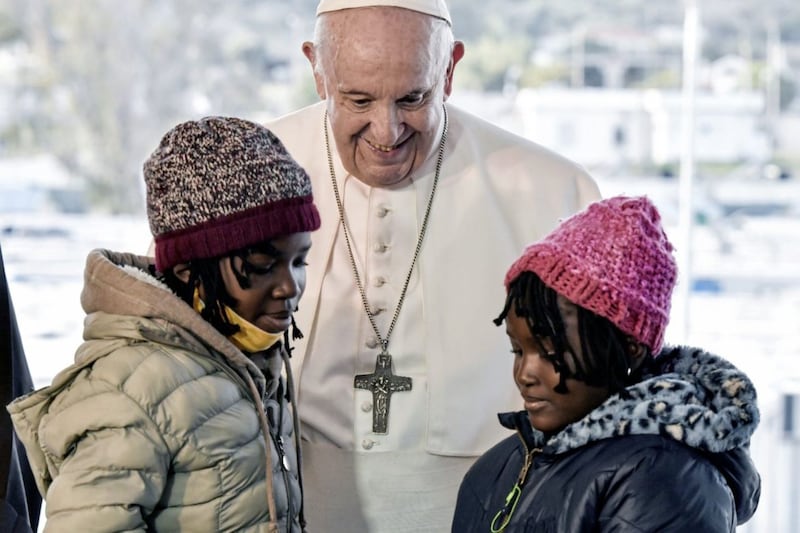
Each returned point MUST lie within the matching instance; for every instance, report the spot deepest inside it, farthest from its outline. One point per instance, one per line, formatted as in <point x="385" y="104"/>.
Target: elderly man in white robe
<point x="424" y="206"/>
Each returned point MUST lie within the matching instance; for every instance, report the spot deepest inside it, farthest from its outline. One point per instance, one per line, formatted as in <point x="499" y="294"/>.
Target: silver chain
<point x="384" y="342"/>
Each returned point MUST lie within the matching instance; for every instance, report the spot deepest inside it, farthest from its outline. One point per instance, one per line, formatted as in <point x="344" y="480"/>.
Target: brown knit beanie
<point x="220" y="184"/>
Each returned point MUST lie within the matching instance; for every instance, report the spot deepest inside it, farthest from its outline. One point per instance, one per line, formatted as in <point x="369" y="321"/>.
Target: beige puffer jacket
<point x="159" y="424"/>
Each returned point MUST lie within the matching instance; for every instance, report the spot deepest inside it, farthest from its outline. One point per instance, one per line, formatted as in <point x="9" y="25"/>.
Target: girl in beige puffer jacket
<point x="175" y="415"/>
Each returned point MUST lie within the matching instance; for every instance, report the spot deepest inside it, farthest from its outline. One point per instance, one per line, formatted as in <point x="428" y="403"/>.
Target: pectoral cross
<point x="382" y="383"/>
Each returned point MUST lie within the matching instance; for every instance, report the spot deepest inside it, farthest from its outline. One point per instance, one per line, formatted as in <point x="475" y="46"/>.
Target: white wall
<point x="582" y="125"/>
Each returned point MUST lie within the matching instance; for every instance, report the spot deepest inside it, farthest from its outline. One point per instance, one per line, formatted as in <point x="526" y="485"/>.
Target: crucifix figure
<point x="382" y="383"/>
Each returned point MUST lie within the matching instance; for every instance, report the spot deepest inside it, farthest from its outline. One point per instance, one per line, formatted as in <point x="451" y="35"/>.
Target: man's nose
<point x="387" y="125"/>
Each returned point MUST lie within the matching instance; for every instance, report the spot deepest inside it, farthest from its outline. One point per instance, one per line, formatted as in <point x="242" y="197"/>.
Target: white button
<point x="366" y="406"/>
<point x="380" y="281"/>
<point x="379" y="247"/>
<point x="367" y="444"/>
<point x="372" y="342"/>
<point x="383" y="211"/>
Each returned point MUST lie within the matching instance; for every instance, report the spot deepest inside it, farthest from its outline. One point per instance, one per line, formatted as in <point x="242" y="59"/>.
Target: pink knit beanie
<point x="614" y="259"/>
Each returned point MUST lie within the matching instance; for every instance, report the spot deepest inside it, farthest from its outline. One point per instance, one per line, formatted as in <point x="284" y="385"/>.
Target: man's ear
<point x="319" y="80"/>
<point x="458" y="53"/>
<point x="182" y="272"/>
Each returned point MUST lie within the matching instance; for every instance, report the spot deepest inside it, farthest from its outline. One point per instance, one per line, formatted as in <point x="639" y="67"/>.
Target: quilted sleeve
<point x="109" y="460"/>
<point x="669" y="489"/>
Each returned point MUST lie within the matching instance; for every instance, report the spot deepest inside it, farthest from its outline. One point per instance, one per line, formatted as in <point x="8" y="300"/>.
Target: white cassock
<point x="497" y="192"/>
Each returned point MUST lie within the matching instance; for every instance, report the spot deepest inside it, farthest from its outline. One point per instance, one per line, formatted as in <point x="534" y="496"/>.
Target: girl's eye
<point x="517" y="352"/>
<point x="257" y="269"/>
<point x="261" y="270"/>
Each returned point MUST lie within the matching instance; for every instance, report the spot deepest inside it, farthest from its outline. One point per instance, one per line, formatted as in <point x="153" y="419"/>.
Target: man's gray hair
<point x="441" y="37"/>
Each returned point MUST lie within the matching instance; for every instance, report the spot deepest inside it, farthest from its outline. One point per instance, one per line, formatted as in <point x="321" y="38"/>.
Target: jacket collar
<point x="121" y="284"/>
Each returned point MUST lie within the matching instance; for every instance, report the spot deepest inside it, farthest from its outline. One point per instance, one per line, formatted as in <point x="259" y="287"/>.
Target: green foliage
<point x="544" y="76"/>
<point x="488" y="62"/>
<point x="110" y="78"/>
<point x="661" y="79"/>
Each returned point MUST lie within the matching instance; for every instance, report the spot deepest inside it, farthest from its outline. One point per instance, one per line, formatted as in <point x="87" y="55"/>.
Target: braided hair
<point x="605" y="362"/>
<point x="207" y="272"/>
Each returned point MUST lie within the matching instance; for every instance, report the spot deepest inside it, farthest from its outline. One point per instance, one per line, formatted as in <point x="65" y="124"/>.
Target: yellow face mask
<point x="249" y="338"/>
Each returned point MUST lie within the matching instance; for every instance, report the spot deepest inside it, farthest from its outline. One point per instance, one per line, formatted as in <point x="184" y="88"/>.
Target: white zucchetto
<point x="435" y="8"/>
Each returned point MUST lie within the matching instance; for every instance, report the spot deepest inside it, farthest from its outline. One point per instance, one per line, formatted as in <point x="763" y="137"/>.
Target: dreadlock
<point x="604" y="362"/>
<point x="207" y="272"/>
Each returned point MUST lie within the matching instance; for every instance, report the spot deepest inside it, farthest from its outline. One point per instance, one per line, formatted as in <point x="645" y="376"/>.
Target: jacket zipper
<point x="277" y="439"/>
<point x="504" y="515"/>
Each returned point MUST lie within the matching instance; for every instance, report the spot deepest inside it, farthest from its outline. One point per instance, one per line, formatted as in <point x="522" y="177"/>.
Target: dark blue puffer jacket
<point x="669" y="455"/>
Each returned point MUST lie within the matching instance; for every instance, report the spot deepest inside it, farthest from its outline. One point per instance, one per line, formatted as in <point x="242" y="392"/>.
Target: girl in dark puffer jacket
<point x="611" y="438"/>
